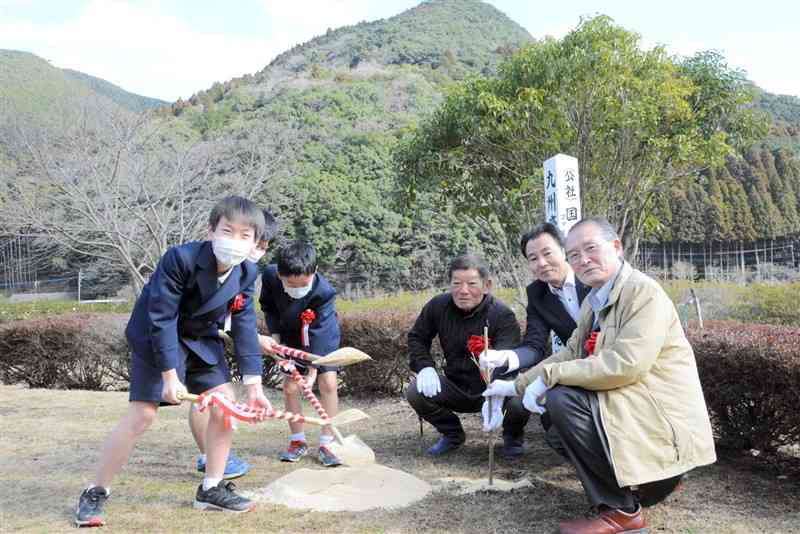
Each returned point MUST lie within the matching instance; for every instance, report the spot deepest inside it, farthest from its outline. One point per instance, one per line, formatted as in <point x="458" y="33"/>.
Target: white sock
<point x="325" y="440"/>
<point x="300" y="436"/>
<point x="209" y="483"/>
<point x="203" y="458"/>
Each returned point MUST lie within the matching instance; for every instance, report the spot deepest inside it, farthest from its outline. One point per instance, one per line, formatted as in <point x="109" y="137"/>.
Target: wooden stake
<point x="488" y="379"/>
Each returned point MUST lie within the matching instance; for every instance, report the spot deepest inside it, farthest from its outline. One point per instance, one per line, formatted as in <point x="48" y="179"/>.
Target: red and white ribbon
<point x="307" y="393"/>
<point x="306" y="318"/>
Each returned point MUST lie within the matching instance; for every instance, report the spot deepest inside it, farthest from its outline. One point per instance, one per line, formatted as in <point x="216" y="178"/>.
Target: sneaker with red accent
<point x="296" y="450"/>
<point x="327" y="457"/>
<point x="89" y="512"/>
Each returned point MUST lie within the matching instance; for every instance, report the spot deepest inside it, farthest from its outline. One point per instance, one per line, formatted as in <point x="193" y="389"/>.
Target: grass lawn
<point x="49" y="441"/>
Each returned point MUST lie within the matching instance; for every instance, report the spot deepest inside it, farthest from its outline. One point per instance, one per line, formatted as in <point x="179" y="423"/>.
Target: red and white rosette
<point x="590" y="344"/>
<point x="306" y="318"/>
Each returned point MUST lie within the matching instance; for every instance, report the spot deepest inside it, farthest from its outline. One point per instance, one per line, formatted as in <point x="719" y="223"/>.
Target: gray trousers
<point x="574" y="429"/>
<point x="440" y="409"/>
<point x="575" y="416"/>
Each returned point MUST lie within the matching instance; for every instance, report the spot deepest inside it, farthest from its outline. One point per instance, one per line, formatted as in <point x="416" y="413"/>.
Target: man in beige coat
<point x="629" y="410"/>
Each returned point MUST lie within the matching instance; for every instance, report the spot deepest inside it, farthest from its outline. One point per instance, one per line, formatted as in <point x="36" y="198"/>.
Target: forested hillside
<point x="753" y="196"/>
<point x="32" y="87"/>
<point x="321" y="137"/>
<point x="342" y="102"/>
<point x="127" y="100"/>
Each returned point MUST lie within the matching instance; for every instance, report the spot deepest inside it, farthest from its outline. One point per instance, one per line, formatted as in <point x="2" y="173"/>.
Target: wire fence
<point x="70" y="286"/>
<point x="764" y="259"/>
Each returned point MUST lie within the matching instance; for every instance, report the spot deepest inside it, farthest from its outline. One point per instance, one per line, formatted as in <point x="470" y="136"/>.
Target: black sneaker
<point x="89" y="512"/>
<point x="222" y="498"/>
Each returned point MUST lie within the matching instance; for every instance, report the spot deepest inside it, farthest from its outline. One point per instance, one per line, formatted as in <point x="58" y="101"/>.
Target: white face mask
<point x="298" y="292"/>
<point x="229" y="251"/>
<point x="256" y="254"/>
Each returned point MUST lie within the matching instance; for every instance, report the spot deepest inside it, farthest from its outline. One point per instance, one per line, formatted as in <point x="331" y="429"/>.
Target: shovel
<point x="340" y="358"/>
<point x="350" y="450"/>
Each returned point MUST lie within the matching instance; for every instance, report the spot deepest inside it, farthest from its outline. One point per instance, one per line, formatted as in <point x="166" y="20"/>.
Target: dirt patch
<point x="465" y="486"/>
<point x="352" y="489"/>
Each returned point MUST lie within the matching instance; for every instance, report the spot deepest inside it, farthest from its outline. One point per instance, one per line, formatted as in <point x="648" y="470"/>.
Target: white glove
<point x="502" y="388"/>
<point x="494" y="419"/>
<point x="428" y="382"/>
<point x="530" y="400"/>
<point x="493" y="359"/>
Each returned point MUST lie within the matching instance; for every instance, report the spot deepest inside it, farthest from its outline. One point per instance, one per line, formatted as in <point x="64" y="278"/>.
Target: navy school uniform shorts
<point x="197" y="375"/>
<point x="302" y="368"/>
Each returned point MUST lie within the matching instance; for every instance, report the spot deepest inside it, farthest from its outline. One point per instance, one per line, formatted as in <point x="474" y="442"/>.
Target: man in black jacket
<point x="454" y="317"/>
<point x="554" y="299"/>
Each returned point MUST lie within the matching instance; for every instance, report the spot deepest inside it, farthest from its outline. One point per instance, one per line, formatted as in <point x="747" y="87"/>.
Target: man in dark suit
<point x="554" y="299"/>
<point x="197" y="289"/>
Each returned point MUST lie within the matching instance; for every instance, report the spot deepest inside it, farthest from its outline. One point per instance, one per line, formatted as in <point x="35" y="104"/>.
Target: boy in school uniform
<point x="300" y="311"/>
<point x="175" y="346"/>
<point x="198" y="421"/>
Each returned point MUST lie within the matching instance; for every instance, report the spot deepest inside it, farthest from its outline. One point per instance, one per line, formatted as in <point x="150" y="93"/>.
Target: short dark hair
<point x="239" y="210"/>
<point x="544" y="228"/>
<point x="298" y="258"/>
<point x="608" y="232"/>
<point x="270" y="226"/>
<point x="464" y="262"/>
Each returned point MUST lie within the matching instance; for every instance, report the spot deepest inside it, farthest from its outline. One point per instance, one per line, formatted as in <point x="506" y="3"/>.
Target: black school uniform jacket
<point x="282" y="313"/>
<point x="182" y="308"/>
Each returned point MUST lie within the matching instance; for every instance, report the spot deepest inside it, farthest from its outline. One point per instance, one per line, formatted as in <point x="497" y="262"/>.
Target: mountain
<point x="128" y="100"/>
<point x="348" y="97"/>
<point x="341" y="103"/>
<point x="317" y="128"/>
<point x="785" y="113"/>
<point x="31" y="86"/>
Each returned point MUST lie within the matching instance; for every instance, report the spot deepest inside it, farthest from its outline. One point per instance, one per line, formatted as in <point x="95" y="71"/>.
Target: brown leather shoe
<point x="607" y="522"/>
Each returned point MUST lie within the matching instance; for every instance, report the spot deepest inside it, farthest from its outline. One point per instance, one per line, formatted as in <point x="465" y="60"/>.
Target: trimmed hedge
<point x="751" y="380"/>
<point x="384" y="336"/>
<point x="81" y="351"/>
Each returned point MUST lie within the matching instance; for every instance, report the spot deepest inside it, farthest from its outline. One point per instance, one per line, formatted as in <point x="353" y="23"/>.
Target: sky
<point x="173" y="48"/>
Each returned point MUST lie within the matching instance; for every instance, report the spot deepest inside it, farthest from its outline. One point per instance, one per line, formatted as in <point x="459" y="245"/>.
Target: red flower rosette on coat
<point x="306" y="318"/>
<point x="237" y="304"/>
<point x="591" y="343"/>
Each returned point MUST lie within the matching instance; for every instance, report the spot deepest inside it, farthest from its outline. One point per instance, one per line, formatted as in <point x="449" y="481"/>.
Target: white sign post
<point x="562" y="200"/>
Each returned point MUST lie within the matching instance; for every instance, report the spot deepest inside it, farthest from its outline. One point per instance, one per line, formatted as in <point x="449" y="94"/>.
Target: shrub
<point x="770" y="303"/>
<point x="382" y="335"/>
<point x="750" y="375"/>
<point x="82" y="351"/>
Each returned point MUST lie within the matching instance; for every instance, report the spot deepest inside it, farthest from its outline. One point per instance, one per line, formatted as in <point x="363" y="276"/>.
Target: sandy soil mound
<point x="345" y="489"/>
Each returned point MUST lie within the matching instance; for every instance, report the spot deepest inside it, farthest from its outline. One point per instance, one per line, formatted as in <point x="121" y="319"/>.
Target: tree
<point x="638" y="121"/>
<point x="121" y="188"/>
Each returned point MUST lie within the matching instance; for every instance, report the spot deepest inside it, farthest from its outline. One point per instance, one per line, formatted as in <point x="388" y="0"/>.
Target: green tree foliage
<point x="638" y="121"/>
